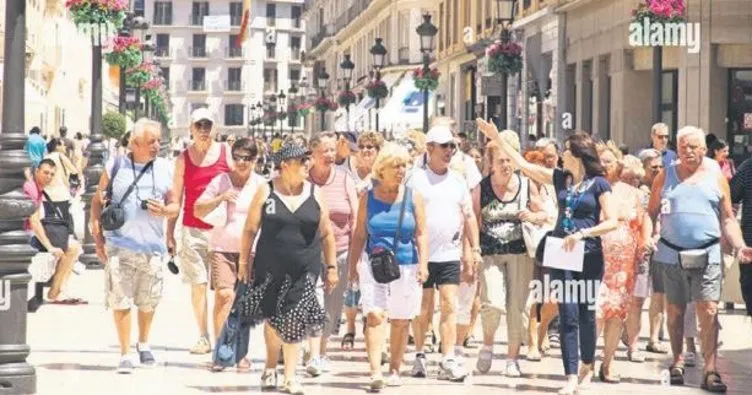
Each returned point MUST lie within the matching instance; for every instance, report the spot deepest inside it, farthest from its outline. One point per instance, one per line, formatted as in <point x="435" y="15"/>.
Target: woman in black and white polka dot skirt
<point x="295" y="229"/>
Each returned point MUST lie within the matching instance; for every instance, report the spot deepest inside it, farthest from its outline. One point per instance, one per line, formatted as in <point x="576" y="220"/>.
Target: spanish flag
<point x="245" y="24"/>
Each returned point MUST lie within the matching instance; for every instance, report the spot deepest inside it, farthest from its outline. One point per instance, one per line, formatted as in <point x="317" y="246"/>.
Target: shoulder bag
<point x="384" y="263"/>
<point x="56" y="222"/>
<point x="113" y="215"/>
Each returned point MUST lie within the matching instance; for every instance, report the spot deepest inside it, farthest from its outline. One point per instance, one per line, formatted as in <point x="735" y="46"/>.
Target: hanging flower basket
<point x="97" y="12"/>
<point x="423" y="80"/>
<point x="377" y="89"/>
<point x="138" y="76"/>
<point x="346" y="98"/>
<point x="304" y="109"/>
<point x="324" y="104"/>
<point x="126" y="52"/>
<point x="154" y="86"/>
<point x="504" y="58"/>
<point x="281" y="116"/>
<point x="659" y="11"/>
<point x="270" y="117"/>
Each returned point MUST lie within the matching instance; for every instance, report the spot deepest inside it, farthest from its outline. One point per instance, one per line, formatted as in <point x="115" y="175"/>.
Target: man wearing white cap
<point x="194" y="169"/>
<point x="449" y="213"/>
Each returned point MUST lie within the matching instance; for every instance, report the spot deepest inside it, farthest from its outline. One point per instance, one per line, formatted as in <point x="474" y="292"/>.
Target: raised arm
<point x="540" y="174"/>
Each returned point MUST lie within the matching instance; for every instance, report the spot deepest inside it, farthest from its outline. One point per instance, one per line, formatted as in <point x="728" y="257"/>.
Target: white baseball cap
<point x="201" y="114"/>
<point x="440" y="134"/>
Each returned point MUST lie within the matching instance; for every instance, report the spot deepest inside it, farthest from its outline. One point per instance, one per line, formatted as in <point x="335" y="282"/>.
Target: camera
<point x="144" y="205"/>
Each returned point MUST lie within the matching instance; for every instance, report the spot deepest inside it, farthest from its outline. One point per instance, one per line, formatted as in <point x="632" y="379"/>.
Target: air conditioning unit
<point x="270" y="38"/>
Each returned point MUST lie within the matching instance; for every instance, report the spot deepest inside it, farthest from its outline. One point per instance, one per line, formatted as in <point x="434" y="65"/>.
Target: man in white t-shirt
<point x="448" y="211"/>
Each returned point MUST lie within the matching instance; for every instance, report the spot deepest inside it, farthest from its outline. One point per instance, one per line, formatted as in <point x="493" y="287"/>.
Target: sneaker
<point x="315" y="367"/>
<point x="512" y="369"/>
<point x="450" y="370"/>
<point x="485" y="359"/>
<point x="126" y="365"/>
<point x="325" y="363"/>
<point x="203" y="346"/>
<point x="393" y="380"/>
<point x="377" y="383"/>
<point x="145" y="356"/>
<point x="420" y="365"/>
<point x="293" y="387"/>
<point x="269" y="380"/>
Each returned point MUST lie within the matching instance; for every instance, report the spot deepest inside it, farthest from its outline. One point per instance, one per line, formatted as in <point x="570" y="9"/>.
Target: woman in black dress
<point x="294" y="224"/>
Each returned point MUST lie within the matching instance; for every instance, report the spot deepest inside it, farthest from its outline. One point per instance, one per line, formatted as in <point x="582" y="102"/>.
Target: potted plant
<point x="304" y="109"/>
<point x="97" y="12"/>
<point x="346" y="98"/>
<point x="504" y="58"/>
<point x="426" y="80"/>
<point x="126" y="52"/>
<point x="324" y="104"/>
<point x="377" y="89"/>
<point x="659" y="11"/>
<point x="138" y="76"/>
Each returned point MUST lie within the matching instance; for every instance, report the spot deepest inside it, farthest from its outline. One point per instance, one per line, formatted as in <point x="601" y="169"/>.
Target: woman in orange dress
<point x="622" y="250"/>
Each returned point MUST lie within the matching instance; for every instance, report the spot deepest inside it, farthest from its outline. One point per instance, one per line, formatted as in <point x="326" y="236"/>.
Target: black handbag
<point x="113" y="215"/>
<point x="384" y="261"/>
<point x="57" y="222"/>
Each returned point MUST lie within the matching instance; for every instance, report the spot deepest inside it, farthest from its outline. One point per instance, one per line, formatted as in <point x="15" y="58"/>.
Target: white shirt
<point x="447" y="201"/>
<point x="472" y="173"/>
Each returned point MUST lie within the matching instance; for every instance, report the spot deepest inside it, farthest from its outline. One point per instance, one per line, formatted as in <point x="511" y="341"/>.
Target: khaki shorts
<point x="224" y="270"/>
<point x="685" y="286"/>
<point x="133" y="279"/>
<point x="194" y="256"/>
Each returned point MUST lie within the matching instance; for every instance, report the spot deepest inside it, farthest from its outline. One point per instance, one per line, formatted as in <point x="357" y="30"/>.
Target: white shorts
<point x="400" y="299"/>
<point x="465" y="299"/>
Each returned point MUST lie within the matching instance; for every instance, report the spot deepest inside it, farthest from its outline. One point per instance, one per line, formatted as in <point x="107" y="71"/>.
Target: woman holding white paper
<point x="585" y="213"/>
<point x="231" y="192"/>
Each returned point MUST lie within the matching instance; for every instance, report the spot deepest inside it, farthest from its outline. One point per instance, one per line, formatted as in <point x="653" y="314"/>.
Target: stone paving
<point x="74" y="349"/>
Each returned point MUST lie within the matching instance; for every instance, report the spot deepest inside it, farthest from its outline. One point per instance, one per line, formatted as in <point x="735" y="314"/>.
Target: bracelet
<point x="329" y="267"/>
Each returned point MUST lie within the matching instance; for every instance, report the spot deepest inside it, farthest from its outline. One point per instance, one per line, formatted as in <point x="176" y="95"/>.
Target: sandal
<point x="677" y="375"/>
<point x="611" y="378"/>
<point x="348" y="341"/>
<point x="711" y="382"/>
<point x="656" y="348"/>
<point x="244" y="365"/>
<point x="635" y="356"/>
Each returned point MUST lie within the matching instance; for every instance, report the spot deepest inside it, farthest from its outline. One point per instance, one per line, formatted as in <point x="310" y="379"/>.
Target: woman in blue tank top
<point x="376" y="228"/>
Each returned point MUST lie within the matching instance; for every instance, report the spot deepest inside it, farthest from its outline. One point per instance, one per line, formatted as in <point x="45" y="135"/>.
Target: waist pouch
<point x="692" y="258"/>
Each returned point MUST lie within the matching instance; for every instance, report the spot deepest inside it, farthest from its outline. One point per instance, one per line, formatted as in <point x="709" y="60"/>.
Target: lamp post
<point x="16" y="375"/>
<point x="273" y="110"/>
<point x="147" y="50"/>
<point x="125" y="31"/>
<point x="323" y="79"/>
<point x="427" y="31"/>
<point x="281" y="102"/>
<point x="504" y="18"/>
<point x="292" y="117"/>
<point x="379" y="57"/>
<point x="347" y="67"/>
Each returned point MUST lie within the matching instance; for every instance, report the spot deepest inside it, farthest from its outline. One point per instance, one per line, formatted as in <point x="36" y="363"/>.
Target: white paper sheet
<point x="555" y="256"/>
<point x="641" y="285"/>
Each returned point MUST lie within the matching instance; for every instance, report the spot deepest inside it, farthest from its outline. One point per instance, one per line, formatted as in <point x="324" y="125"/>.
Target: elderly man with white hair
<point x="138" y="185"/>
<point x="692" y="202"/>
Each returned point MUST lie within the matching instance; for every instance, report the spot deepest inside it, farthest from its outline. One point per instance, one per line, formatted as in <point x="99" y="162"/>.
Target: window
<point x="198" y="50"/>
<point x="455" y="22"/>
<point x="270" y="80"/>
<point x="271" y="14"/>
<point x="234" y="79"/>
<point x="234" y="51"/>
<point x="489" y="13"/>
<point x="196" y="106"/>
<point x="295" y="75"/>
<point x="271" y="52"/>
<point x="295" y="48"/>
<point x="440" y="22"/>
<point x="296" y="12"/>
<point x="234" y="115"/>
<point x="198" y="80"/>
<point x="479" y="16"/>
<point x="166" y="75"/>
<point x="199" y="11"/>
<point x="236" y="13"/>
<point x="162" y="13"/>
<point x="163" y="45"/>
<point x="669" y="100"/>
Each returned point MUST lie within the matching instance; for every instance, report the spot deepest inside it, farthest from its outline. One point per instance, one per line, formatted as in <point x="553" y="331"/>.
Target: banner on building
<point x="216" y="23"/>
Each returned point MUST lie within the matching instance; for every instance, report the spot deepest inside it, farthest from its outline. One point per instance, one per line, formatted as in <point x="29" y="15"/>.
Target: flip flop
<point x="69" y="301"/>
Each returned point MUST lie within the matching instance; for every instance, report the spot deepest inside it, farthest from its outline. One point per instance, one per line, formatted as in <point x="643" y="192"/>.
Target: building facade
<point x="340" y="27"/>
<point x="58" y="70"/>
<point x="195" y="46"/>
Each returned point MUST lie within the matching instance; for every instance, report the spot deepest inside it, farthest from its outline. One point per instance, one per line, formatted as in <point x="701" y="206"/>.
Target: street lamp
<point x="292" y="117"/>
<point x="378" y="51"/>
<point x="272" y="108"/>
<point x="347" y="67"/>
<point x="323" y="79"/>
<point x="16" y="375"/>
<point x="281" y="101"/>
<point x="505" y="18"/>
<point x="141" y="25"/>
<point x="427" y="31"/>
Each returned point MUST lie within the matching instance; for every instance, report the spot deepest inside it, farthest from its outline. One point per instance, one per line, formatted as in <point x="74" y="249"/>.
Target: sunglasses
<point x="369" y="147"/>
<point x="247" y="158"/>
<point x="662" y="136"/>
<point x="203" y="125"/>
<point x="656" y="167"/>
<point x="451" y="146"/>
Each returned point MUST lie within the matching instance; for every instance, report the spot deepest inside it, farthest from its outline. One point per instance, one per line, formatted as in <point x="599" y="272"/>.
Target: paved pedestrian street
<point x="74" y="349"/>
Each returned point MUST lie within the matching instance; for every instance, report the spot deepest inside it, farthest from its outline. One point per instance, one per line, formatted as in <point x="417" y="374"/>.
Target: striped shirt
<point x="741" y="191"/>
<point x="335" y="193"/>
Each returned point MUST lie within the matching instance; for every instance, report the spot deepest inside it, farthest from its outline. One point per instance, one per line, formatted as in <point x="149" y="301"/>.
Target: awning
<point x="404" y="111"/>
<point x="360" y="112"/>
